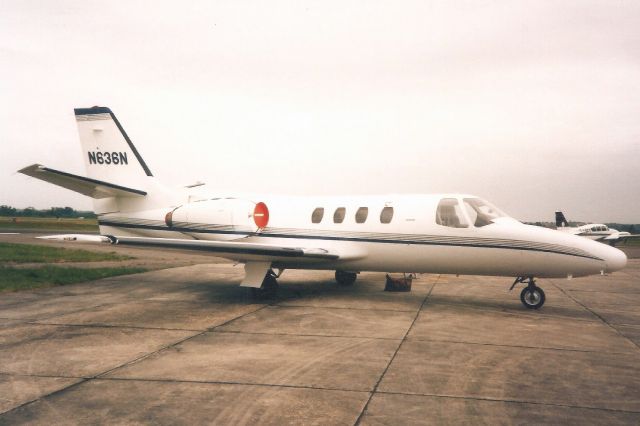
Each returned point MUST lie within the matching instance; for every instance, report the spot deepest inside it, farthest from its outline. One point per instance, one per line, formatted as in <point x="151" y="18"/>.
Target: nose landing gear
<point x="532" y="296"/>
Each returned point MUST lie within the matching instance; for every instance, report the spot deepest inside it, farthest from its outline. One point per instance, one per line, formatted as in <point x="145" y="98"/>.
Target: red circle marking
<point x="168" y="219"/>
<point x="261" y="215"/>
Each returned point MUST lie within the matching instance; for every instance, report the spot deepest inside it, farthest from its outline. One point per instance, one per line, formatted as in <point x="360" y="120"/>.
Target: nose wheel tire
<point x="532" y="297"/>
<point x="346" y="278"/>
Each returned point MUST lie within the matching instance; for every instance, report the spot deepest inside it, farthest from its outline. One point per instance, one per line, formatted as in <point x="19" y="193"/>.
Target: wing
<point x="258" y="258"/>
<point x="81" y="238"/>
<point x="234" y="250"/>
<point x="84" y="185"/>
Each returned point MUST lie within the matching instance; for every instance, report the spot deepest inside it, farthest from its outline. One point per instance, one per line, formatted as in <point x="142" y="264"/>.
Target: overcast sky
<point x="533" y="105"/>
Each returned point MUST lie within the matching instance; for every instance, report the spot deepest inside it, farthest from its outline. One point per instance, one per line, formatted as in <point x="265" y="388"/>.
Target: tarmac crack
<point x="343" y="308"/>
<point x="128" y="363"/>
<point x="303" y="335"/>
<point x="511" y="401"/>
<point x="47" y="376"/>
<point x="137" y="327"/>
<point x="395" y="353"/>
<point x="48" y="317"/>
<point x="566" y="293"/>
<point x="171" y="345"/>
<point x="542" y="348"/>
<point x="523" y="314"/>
<point x="223" y="382"/>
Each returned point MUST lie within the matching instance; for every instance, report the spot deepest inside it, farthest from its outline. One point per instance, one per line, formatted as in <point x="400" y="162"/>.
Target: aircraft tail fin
<point x="109" y="155"/>
<point x="561" y="221"/>
<point x="117" y="177"/>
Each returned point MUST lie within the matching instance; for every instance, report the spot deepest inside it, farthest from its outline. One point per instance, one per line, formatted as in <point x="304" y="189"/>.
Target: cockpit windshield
<point x="481" y="212"/>
<point x="450" y="214"/>
<point x="459" y="213"/>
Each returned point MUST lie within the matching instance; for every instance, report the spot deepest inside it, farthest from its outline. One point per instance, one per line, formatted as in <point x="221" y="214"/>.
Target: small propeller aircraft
<point x="594" y="231"/>
<point x="437" y="233"/>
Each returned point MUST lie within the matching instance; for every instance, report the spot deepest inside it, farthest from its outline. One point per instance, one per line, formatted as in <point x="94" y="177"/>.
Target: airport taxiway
<point x="186" y="345"/>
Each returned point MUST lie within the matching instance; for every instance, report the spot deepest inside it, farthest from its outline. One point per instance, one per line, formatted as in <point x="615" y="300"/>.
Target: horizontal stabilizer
<point x="86" y="186"/>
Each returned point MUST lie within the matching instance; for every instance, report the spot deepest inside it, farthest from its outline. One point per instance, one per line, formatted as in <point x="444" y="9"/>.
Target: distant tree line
<point x="632" y="229"/>
<point x="57" y="212"/>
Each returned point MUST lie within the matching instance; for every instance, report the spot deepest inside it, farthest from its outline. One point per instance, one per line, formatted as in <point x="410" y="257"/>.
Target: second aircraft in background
<point x="594" y="231"/>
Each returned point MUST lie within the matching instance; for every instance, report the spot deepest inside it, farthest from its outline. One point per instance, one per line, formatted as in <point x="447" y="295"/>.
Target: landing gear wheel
<point x="268" y="290"/>
<point x="346" y="278"/>
<point x="532" y="297"/>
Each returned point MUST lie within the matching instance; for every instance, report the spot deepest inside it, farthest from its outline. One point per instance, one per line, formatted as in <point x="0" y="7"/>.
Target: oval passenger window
<point x="361" y="214"/>
<point x="316" y="216"/>
<point x="386" y="215"/>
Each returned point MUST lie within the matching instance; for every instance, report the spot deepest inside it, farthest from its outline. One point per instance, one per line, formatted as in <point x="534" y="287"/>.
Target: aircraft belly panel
<point x="463" y="260"/>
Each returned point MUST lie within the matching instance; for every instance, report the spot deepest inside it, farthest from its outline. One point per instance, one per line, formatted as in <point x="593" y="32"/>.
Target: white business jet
<point x="594" y="231"/>
<point x="441" y="233"/>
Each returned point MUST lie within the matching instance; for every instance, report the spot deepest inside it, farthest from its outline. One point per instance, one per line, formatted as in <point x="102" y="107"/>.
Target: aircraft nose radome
<point x="615" y="259"/>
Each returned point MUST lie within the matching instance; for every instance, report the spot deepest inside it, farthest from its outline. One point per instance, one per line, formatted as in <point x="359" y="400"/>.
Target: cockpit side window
<point x="449" y="213"/>
<point x="481" y="212"/>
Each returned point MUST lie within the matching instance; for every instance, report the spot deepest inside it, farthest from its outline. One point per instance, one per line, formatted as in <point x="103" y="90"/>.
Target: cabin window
<point x="386" y="215"/>
<point x="481" y="212"/>
<point x="316" y="216"/>
<point x="338" y="215"/>
<point x="449" y="214"/>
<point x="361" y="214"/>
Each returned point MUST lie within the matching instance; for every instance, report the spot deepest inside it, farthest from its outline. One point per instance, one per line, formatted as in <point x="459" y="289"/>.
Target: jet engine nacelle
<point x="219" y="219"/>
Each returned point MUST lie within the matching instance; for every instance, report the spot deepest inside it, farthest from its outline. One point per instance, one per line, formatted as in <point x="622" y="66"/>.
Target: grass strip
<point x="15" y="279"/>
<point x="28" y="253"/>
<point x="63" y="224"/>
<point x="630" y="242"/>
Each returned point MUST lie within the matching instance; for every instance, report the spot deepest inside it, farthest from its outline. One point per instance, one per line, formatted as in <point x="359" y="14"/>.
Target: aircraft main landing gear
<point x="269" y="287"/>
<point x="344" y="278"/>
<point x="532" y="296"/>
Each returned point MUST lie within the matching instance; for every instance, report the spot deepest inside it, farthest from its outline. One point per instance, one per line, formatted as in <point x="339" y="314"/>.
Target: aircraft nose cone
<point x="615" y="259"/>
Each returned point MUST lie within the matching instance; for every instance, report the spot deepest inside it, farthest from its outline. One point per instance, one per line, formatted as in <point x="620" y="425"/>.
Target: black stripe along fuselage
<point x="273" y="234"/>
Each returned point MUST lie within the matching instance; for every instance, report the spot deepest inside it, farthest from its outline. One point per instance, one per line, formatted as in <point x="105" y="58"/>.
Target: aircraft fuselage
<point x="410" y="241"/>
